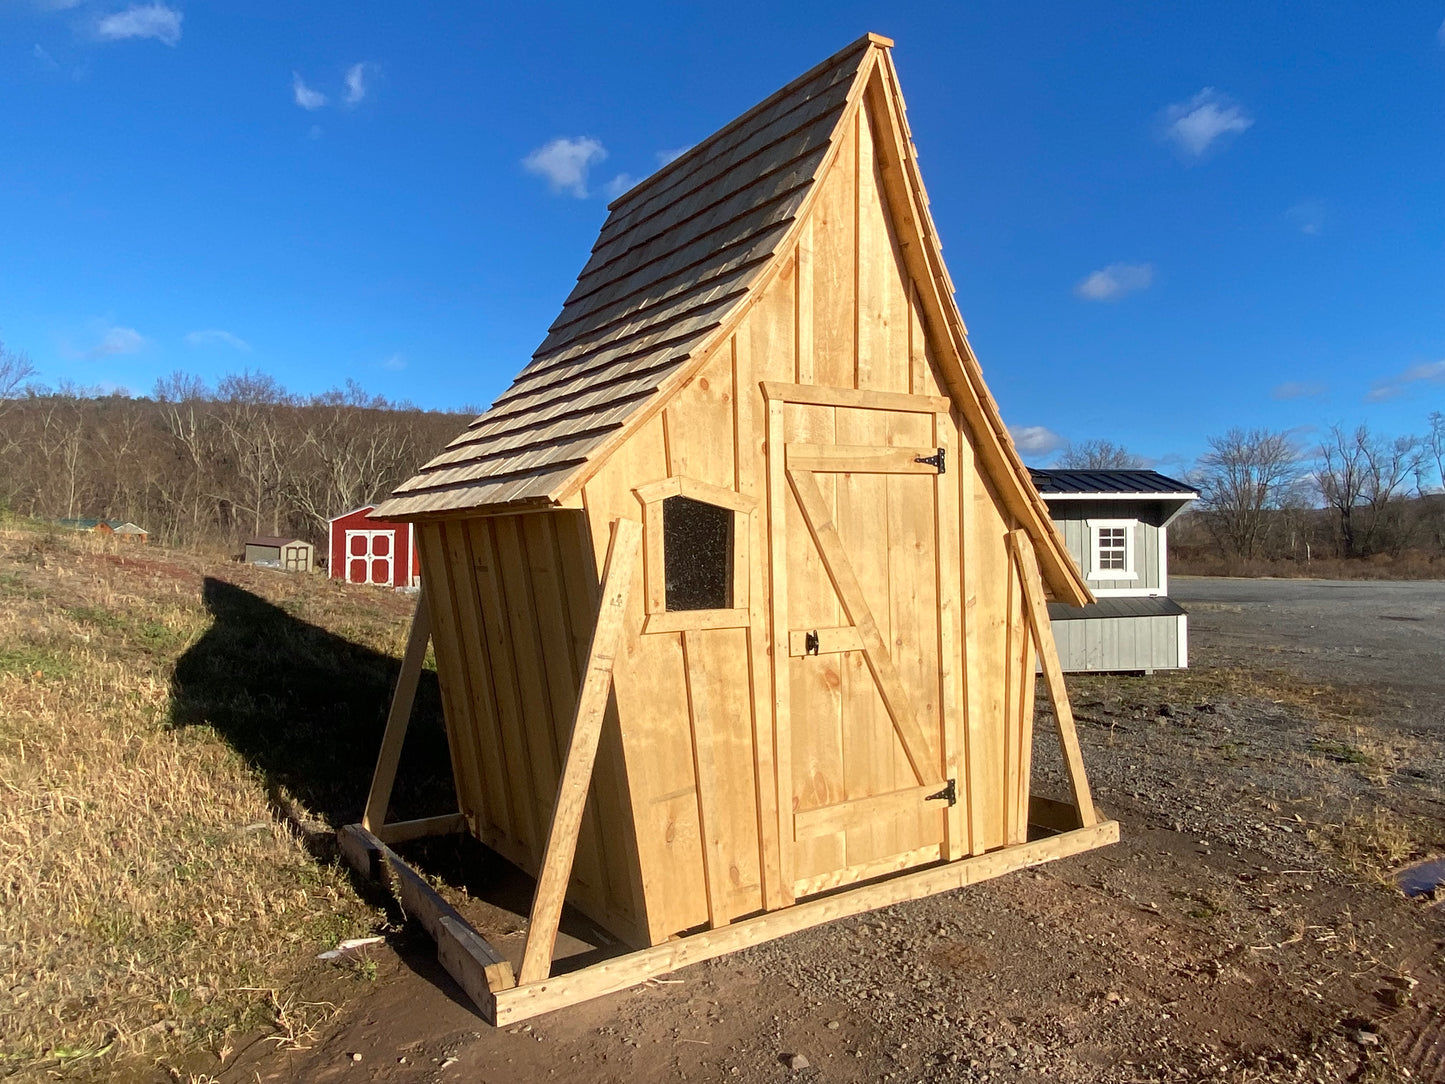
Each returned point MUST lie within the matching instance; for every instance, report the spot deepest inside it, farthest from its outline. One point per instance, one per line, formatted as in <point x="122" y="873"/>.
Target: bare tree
<point x="1243" y="477"/>
<point x="1434" y="447"/>
<point x="1362" y="478"/>
<point x="1098" y="455"/>
<point x="15" y="369"/>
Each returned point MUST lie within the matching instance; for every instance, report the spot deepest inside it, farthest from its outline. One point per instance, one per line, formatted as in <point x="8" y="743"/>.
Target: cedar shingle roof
<point x="677" y="255"/>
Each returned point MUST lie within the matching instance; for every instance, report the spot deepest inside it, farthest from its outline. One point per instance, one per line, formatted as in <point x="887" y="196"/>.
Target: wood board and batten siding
<point x="761" y="398"/>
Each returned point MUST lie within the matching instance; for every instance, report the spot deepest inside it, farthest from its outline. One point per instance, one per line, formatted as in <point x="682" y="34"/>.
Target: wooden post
<point x="556" y="867"/>
<point x="1043" y="634"/>
<point x="379" y="797"/>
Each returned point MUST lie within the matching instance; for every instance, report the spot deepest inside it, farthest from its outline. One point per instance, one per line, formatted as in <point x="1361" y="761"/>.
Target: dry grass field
<point x="177" y="735"/>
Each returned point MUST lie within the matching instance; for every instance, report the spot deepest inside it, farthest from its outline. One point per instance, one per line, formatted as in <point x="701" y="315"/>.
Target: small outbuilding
<point x="364" y="549"/>
<point x="122" y="529"/>
<point x="1116" y="526"/>
<point x="736" y="592"/>
<point x="285" y="553"/>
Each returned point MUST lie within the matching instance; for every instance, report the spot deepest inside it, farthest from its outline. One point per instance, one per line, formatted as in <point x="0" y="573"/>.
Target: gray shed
<point x="1115" y="524"/>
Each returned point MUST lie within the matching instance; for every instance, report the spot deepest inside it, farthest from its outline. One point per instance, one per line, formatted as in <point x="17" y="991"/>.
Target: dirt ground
<point x="1245" y="928"/>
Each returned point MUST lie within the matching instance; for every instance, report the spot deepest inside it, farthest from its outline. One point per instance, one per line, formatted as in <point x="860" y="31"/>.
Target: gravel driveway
<point x="1389" y="635"/>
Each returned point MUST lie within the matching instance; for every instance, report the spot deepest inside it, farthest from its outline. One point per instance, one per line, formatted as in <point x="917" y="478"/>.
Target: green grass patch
<point x="34" y="660"/>
<point x="1339" y="752"/>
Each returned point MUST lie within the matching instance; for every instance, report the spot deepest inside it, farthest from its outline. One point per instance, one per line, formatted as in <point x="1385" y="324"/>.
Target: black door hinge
<point x="810" y="642"/>
<point x="934" y="461"/>
<point x="948" y="793"/>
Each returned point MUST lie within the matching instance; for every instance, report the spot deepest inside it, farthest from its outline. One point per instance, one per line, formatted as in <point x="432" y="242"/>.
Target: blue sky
<point x="1162" y="220"/>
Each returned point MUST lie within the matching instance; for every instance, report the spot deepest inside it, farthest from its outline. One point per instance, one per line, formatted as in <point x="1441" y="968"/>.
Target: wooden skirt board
<point x="488" y="978"/>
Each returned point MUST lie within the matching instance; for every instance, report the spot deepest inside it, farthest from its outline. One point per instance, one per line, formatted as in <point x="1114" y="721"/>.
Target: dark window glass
<point x="697" y="554"/>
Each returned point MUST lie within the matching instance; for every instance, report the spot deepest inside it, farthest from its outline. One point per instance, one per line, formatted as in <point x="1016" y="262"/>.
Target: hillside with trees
<point x="206" y="466"/>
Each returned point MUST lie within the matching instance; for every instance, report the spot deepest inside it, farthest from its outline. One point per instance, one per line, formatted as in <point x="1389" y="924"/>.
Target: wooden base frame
<point x="502" y="997"/>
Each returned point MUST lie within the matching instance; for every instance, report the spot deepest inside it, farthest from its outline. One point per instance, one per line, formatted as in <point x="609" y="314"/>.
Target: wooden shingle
<point x="675" y="259"/>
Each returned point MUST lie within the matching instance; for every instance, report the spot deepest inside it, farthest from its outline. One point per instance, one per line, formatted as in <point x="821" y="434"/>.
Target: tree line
<point x="1268" y="495"/>
<point x="201" y="465"/>
<point x="195" y="464"/>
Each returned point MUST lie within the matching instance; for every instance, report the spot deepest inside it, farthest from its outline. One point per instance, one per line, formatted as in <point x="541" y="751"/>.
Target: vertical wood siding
<point x="717" y="741"/>
<point x="514" y="603"/>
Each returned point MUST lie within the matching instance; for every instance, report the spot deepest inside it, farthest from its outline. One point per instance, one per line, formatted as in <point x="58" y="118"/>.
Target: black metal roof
<point x="1123" y="606"/>
<point x="1110" y="482"/>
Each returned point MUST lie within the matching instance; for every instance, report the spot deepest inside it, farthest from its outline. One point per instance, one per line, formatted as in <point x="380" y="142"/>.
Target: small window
<point x="697" y="554"/>
<point x="1112" y="549"/>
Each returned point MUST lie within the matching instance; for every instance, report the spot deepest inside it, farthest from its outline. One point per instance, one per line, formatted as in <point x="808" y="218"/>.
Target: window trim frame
<point x="744" y="508"/>
<point x="1130" y="571"/>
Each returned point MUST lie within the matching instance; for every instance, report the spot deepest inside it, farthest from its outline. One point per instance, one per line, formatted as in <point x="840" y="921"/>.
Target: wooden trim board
<point x="479" y="968"/>
<point x="526" y="1001"/>
<point x="399" y="717"/>
<point x="576" y="778"/>
<point x="487" y="977"/>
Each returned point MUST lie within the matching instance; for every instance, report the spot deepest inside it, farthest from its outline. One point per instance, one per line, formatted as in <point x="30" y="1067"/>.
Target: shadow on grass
<point x="307" y="708"/>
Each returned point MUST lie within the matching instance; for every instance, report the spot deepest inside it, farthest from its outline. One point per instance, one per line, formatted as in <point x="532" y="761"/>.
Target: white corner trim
<point x="1164" y="560"/>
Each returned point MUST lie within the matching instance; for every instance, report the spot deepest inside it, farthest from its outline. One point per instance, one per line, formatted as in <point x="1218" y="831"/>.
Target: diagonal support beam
<point x="1043" y="634"/>
<point x="855" y="605"/>
<point x="399" y="717"/>
<point x="556" y="868"/>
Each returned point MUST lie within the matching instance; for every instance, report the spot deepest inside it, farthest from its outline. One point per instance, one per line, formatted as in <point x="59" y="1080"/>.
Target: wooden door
<point x="862" y="615"/>
<point x="369" y="556"/>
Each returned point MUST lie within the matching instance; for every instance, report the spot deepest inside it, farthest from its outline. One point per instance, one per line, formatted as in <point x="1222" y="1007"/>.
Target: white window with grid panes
<point x="1111" y="549"/>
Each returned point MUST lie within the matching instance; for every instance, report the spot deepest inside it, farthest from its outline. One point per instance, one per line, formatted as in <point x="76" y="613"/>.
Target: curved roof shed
<point x="737" y="591"/>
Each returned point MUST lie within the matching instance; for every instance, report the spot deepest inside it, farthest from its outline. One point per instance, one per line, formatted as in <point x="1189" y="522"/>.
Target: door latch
<point x="934" y="461"/>
<point x="810" y="642"/>
<point x="948" y="794"/>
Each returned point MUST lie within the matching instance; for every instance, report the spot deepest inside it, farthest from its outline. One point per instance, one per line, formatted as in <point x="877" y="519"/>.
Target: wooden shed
<point x="736" y="591"/>
<point x="365" y="549"/>
<point x="279" y="551"/>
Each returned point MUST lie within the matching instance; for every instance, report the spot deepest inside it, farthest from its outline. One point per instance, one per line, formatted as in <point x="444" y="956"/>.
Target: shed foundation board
<point x="487" y="976"/>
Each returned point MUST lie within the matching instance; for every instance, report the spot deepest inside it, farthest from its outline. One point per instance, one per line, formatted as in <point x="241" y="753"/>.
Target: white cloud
<point x="1430" y="372"/>
<point x="1308" y="216"/>
<point x="618" y="185"/>
<point x="1113" y="282"/>
<point x="1193" y="125"/>
<point x="1299" y="389"/>
<point x="306" y="98"/>
<point x="395" y="363"/>
<point x="565" y="163"/>
<point x="44" y="59"/>
<point x="356" y="82"/>
<point x="215" y="336"/>
<point x="117" y="340"/>
<point x="1034" y="441"/>
<point x="666" y="157"/>
<point x="142" y="21"/>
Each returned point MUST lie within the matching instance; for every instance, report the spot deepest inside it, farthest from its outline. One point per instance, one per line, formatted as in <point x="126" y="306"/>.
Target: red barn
<point x="377" y="551"/>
